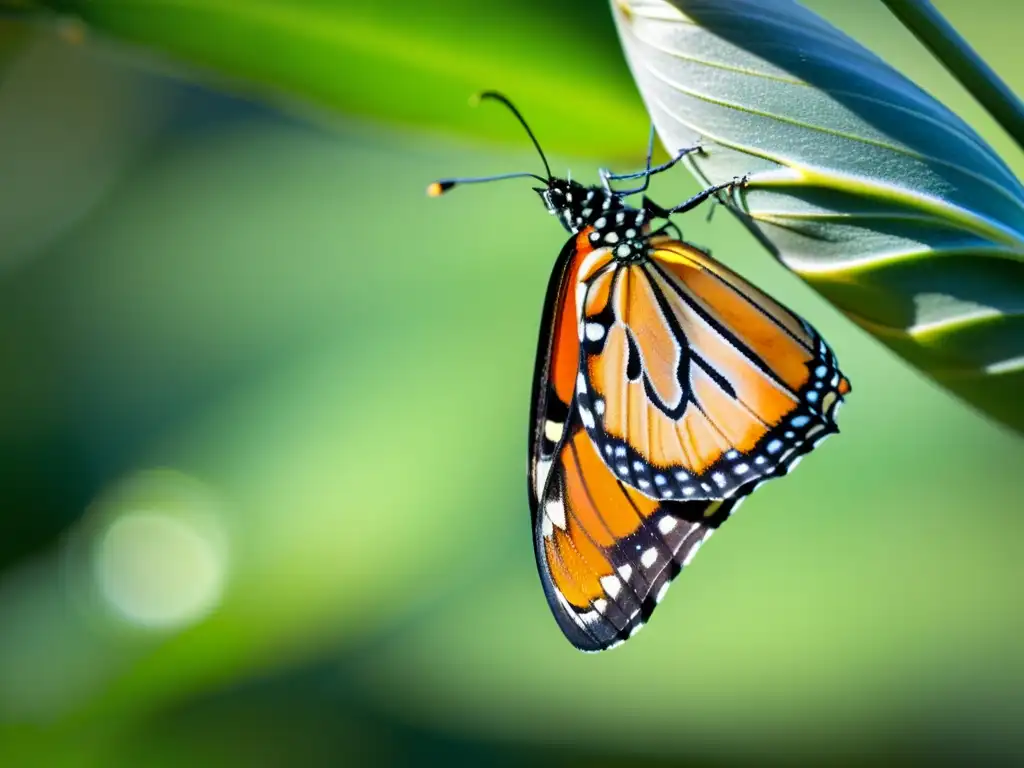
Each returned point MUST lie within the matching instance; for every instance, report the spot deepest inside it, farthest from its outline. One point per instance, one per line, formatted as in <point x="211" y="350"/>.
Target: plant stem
<point x="956" y="55"/>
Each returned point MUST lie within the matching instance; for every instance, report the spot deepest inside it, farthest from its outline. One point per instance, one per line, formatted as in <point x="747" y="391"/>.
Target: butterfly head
<point x="574" y="205"/>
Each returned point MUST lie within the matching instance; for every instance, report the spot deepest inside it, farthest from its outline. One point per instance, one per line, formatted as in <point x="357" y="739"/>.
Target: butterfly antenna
<point x="495" y="96"/>
<point x="438" y="188"/>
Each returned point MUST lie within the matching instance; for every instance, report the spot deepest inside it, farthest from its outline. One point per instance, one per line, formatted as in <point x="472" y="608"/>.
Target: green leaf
<point x="956" y="55"/>
<point x="876" y="194"/>
<point x="406" y="62"/>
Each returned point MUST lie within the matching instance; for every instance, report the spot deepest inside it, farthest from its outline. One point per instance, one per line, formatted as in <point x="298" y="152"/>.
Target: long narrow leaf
<point x="404" y="62"/>
<point x="875" y="193"/>
<point x="963" y="62"/>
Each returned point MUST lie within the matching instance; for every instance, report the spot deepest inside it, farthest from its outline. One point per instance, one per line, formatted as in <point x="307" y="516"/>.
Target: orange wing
<point x="693" y="383"/>
<point x="605" y="552"/>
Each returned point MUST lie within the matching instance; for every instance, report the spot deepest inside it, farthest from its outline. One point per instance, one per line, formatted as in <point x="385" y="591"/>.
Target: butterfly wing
<point x="693" y="383"/>
<point x="605" y="552"/>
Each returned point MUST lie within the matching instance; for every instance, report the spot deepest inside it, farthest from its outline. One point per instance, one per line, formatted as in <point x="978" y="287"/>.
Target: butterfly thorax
<point x="615" y="225"/>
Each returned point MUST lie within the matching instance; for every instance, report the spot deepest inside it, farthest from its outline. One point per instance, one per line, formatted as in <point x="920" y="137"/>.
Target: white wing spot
<point x="682" y="477"/>
<point x="620" y="451"/>
<point x="660" y="480"/>
<point x="622" y="251"/>
<point x="643" y="484"/>
<point x="688" y="491"/>
<point x="587" y="418"/>
<point x="649" y="557"/>
<point x="638" y="467"/>
<point x="555" y="511"/>
<point x="611" y="238"/>
<point x="733" y="454"/>
<point x="692" y="553"/>
<point x="599" y="407"/>
<point x="774" y="446"/>
<point x="553" y="431"/>
<point x="611" y="585"/>
<point x="719" y="479"/>
<point x="623" y="469"/>
<point x="661" y="593"/>
<point x="625" y="572"/>
<point x="543" y="469"/>
<point x="600" y="223"/>
<point x="595" y="331"/>
<point x="581" y="383"/>
<point x="800" y="421"/>
<point x="741" y="469"/>
<point x="667" y="524"/>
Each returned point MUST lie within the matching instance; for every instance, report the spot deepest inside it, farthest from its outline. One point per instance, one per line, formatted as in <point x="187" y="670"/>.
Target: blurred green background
<point x="262" y="426"/>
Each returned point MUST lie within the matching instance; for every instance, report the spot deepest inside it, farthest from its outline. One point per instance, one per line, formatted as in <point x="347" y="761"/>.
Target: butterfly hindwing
<point x="606" y="553"/>
<point x="693" y="383"/>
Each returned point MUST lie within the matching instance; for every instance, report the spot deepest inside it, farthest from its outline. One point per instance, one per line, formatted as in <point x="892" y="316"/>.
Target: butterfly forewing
<point x="694" y="384"/>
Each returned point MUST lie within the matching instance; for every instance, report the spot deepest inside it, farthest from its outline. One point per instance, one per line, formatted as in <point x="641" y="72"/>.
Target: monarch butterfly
<point x="666" y="388"/>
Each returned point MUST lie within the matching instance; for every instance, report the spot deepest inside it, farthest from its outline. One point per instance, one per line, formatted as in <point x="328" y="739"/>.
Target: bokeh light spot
<point x="160" y="569"/>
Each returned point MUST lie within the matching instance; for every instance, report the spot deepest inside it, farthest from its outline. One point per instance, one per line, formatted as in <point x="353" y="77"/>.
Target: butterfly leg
<point x="607" y="177"/>
<point x="658" y="211"/>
